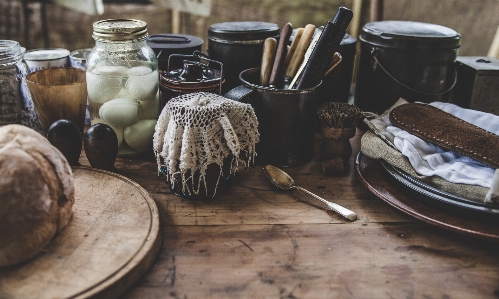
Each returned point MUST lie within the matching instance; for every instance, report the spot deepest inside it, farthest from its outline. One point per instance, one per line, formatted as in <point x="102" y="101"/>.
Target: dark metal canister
<point x="286" y="120"/>
<point x="165" y="45"/>
<point x="238" y="46"/>
<point x="336" y="85"/>
<point x="406" y="59"/>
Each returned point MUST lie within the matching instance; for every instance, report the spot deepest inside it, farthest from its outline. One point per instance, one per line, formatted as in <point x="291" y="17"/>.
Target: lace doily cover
<point x="198" y="129"/>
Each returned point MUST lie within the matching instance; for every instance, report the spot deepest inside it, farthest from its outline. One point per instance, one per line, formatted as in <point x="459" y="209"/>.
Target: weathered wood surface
<point x="260" y="242"/>
<point x="111" y="241"/>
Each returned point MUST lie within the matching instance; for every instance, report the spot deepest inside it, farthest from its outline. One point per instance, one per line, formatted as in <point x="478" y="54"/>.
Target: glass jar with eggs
<point x="122" y="82"/>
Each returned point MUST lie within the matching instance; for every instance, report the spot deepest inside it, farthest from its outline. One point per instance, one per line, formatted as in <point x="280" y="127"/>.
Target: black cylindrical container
<point x="286" y="120"/>
<point x="238" y="46"/>
<point x="165" y="45"/>
<point x="336" y="85"/>
<point x="405" y="59"/>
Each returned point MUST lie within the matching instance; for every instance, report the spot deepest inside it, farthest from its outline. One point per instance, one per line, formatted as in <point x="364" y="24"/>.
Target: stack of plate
<point x="439" y="196"/>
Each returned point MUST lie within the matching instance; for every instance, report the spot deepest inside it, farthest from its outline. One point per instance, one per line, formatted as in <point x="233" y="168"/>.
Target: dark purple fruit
<point x="66" y="137"/>
<point x="101" y="146"/>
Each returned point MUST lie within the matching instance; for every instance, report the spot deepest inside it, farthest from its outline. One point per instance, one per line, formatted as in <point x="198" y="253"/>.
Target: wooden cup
<point x="59" y="93"/>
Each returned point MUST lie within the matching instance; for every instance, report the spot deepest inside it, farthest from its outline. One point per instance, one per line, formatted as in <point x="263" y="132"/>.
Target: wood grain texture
<point x="260" y="242"/>
<point x="358" y="260"/>
<point x="268" y="57"/>
<point x="301" y="48"/>
<point x="111" y="240"/>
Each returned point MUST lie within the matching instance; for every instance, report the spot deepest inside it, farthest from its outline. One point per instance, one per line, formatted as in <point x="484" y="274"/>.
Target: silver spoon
<point x="282" y="180"/>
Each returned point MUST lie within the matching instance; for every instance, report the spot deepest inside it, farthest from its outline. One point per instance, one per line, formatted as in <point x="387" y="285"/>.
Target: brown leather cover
<point x="439" y="127"/>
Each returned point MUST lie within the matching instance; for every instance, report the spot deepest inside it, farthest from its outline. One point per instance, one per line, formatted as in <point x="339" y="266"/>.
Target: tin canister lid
<point x="119" y="29"/>
<point x="46" y="54"/>
<point x="410" y="35"/>
<point x="174" y="42"/>
<point x="242" y="31"/>
<point x="166" y="44"/>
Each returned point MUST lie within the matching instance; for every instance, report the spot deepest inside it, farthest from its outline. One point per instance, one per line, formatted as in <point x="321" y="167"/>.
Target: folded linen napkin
<point x="374" y="147"/>
<point x="429" y="159"/>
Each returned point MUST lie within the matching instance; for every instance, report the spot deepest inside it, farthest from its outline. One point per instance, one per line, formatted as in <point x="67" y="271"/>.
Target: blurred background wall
<point x="38" y="24"/>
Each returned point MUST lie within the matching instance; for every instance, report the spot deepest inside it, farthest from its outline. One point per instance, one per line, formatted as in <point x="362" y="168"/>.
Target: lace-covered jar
<point x="16" y="105"/>
<point x="200" y="139"/>
<point x="122" y="83"/>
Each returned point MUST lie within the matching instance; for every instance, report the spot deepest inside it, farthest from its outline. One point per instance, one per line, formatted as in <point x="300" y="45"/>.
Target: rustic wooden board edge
<point x="124" y="278"/>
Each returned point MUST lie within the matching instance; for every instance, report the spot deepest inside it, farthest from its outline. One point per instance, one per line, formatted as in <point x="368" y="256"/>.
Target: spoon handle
<point x="350" y="215"/>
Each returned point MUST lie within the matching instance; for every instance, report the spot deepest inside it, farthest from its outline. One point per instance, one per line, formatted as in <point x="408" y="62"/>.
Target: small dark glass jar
<point x="194" y="76"/>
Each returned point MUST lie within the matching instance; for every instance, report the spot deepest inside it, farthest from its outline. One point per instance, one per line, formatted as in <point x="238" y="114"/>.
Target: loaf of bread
<point x="36" y="193"/>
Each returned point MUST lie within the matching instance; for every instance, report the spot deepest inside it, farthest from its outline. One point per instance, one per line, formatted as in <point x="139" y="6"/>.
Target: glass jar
<point x="122" y="83"/>
<point x="16" y="105"/>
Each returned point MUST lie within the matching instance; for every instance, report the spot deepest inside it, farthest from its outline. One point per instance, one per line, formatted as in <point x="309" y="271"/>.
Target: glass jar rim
<point x="10" y="51"/>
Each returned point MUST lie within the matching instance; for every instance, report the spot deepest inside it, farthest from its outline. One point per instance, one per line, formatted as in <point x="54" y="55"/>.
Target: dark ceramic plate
<point x="441" y="197"/>
<point x="382" y="185"/>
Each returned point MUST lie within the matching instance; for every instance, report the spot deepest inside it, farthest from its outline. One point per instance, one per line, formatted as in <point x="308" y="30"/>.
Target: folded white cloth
<point x="432" y="160"/>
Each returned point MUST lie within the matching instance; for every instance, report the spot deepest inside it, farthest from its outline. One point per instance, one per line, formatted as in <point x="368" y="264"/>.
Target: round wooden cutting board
<point x="111" y="240"/>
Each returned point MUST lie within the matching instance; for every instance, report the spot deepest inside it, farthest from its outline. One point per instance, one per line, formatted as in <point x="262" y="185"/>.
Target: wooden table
<point x="260" y="242"/>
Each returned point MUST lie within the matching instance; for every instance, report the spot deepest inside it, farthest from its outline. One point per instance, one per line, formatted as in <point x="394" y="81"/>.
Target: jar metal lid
<point x="407" y="35"/>
<point x="119" y="30"/>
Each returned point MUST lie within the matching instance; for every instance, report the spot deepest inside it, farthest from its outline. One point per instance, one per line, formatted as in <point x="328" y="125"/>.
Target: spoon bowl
<point x="282" y="180"/>
<point x="279" y="178"/>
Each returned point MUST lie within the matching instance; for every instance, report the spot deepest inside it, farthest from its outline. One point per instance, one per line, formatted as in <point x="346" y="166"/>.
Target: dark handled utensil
<point x="276" y="77"/>
<point x="327" y="45"/>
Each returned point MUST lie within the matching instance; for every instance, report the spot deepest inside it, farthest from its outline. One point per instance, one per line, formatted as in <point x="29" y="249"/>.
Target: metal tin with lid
<point x="406" y="59"/>
<point x="238" y="46"/>
<point x="165" y="45"/>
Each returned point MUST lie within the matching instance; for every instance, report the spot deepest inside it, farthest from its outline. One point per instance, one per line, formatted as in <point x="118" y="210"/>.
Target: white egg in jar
<point x="105" y="82"/>
<point x="120" y="112"/>
<point x="142" y="83"/>
<point x="117" y="130"/>
<point x="149" y="109"/>
<point x="139" y="136"/>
